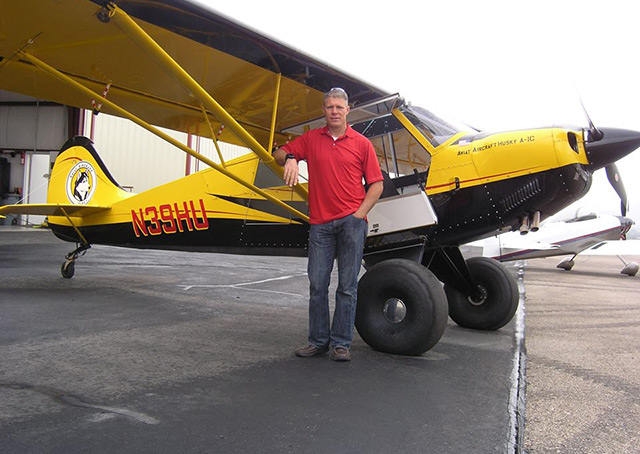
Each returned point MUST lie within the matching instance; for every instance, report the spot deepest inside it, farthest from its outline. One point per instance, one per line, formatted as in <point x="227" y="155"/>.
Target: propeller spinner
<point x="604" y="147"/>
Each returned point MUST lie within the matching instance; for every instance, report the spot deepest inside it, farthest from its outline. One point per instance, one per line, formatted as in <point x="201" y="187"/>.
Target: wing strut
<point x="80" y="235"/>
<point x="142" y="39"/>
<point x="68" y="80"/>
<point x="214" y="137"/>
<point x="275" y="112"/>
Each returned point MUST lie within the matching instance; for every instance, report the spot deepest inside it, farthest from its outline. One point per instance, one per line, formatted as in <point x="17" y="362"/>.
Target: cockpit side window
<point x="398" y="152"/>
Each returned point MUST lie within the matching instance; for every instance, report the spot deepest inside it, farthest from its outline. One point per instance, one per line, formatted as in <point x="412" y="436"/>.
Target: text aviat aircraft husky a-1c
<point x="178" y="65"/>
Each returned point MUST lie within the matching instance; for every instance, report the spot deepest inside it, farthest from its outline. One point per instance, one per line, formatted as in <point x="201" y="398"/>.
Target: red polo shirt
<point x="336" y="168"/>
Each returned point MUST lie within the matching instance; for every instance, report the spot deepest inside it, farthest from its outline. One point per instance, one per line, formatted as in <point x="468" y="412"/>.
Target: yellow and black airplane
<point x="178" y="65"/>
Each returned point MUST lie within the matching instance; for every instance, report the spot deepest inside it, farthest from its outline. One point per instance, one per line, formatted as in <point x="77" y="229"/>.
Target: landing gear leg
<point x="68" y="267"/>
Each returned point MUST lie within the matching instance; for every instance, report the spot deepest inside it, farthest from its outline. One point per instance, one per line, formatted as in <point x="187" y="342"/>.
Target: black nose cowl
<point x="615" y="144"/>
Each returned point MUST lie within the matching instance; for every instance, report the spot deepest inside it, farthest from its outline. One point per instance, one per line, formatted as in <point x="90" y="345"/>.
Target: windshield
<point x="433" y="127"/>
<point x="399" y="153"/>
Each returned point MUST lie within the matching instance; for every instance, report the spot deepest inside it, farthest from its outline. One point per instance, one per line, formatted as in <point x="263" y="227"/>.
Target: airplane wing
<point x="53" y="209"/>
<point x="585" y="236"/>
<point x="615" y="247"/>
<point x="236" y="65"/>
<point x="511" y="246"/>
<point x="543" y="247"/>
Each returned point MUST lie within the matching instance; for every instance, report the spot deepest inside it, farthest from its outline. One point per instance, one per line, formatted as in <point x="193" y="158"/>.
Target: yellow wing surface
<point x="237" y="66"/>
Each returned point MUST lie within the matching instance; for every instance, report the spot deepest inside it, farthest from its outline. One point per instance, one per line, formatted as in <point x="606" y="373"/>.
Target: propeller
<point x="594" y="134"/>
<point x="614" y="178"/>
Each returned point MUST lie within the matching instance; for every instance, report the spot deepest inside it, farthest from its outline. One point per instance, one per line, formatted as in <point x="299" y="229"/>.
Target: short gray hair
<point x="336" y="92"/>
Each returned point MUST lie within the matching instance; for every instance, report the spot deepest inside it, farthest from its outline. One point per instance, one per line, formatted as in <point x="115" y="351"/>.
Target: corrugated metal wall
<point x="139" y="160"/>
<point x="32" y="127"/>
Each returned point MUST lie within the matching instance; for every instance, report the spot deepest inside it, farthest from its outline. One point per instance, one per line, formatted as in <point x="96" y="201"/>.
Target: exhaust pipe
<point x="524" y="226"/>
<point x="535" y="222"/>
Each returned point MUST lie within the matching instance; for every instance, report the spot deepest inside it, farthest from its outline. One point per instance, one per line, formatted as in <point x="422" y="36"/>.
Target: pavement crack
<point x="75" y="401"/>
<point x="517" y="395"/>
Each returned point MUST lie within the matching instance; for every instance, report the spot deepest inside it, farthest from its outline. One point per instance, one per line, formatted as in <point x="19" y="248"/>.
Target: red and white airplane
<point x="587" y="234"/>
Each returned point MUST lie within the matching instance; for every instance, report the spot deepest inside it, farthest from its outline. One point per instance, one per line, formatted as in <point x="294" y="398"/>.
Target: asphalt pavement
<point x="583" y="357"/>
<point x="157" y="351"/>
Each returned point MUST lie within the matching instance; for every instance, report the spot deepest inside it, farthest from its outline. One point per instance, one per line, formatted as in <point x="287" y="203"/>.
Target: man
<point x="337" y="159"/>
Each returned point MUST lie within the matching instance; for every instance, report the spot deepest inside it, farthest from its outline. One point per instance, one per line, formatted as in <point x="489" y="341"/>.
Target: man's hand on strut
<point x="291" y="172"/>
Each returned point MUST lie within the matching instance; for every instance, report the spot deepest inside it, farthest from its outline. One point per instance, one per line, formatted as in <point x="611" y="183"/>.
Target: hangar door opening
<point x="37" y="168"/>
<point x="31" y="133"/>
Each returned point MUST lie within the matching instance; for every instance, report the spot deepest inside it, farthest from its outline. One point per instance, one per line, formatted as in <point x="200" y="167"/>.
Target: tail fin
<point x="80" y="177"/>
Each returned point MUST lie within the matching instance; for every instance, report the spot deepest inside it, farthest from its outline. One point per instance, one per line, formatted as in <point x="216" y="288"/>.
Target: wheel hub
<point x="480" y="297"/>
<point x="394" y="310"/>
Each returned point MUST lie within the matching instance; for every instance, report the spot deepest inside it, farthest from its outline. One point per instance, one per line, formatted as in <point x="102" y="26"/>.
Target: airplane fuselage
<point x="477" y="186"/>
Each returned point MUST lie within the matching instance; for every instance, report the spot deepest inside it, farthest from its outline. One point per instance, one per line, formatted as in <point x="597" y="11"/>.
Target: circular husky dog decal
<point x="81" y="183"/>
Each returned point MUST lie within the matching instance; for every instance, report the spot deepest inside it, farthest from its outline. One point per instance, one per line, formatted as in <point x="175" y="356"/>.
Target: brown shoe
<point x="341" y="354"/>
<point x="310" y="350"/>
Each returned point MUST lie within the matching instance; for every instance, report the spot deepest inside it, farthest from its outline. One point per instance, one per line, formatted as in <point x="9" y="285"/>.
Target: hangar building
<point x="32" y="131"/>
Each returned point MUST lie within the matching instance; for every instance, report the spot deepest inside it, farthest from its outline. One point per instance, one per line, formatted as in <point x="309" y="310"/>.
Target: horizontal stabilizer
<point x="53" y="209"/>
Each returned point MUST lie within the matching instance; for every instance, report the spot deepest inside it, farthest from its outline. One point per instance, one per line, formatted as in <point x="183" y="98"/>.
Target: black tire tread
<point x="427" y="310"/>
<point x="495" y="313"/>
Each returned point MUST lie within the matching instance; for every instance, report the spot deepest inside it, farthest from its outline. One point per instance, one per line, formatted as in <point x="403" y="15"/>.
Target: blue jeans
<point x="342" y="239"/>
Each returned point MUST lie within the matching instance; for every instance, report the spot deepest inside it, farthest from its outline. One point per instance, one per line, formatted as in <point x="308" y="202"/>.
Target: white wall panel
<point x="28" y="127"/>
<point x="206" y="147"/>
<point x="136" y="158"/>
<point x="38" y="167"/>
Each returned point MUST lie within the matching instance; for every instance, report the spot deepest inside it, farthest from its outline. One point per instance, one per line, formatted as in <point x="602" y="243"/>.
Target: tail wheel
<point x="497" y="302"/>
<point x="402" y="308"/>
<point x="68" y="269"/>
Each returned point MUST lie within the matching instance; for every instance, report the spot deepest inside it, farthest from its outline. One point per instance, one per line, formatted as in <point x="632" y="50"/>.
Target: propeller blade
<point x="594" y="133"/>
<point x="614" y="178"/>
